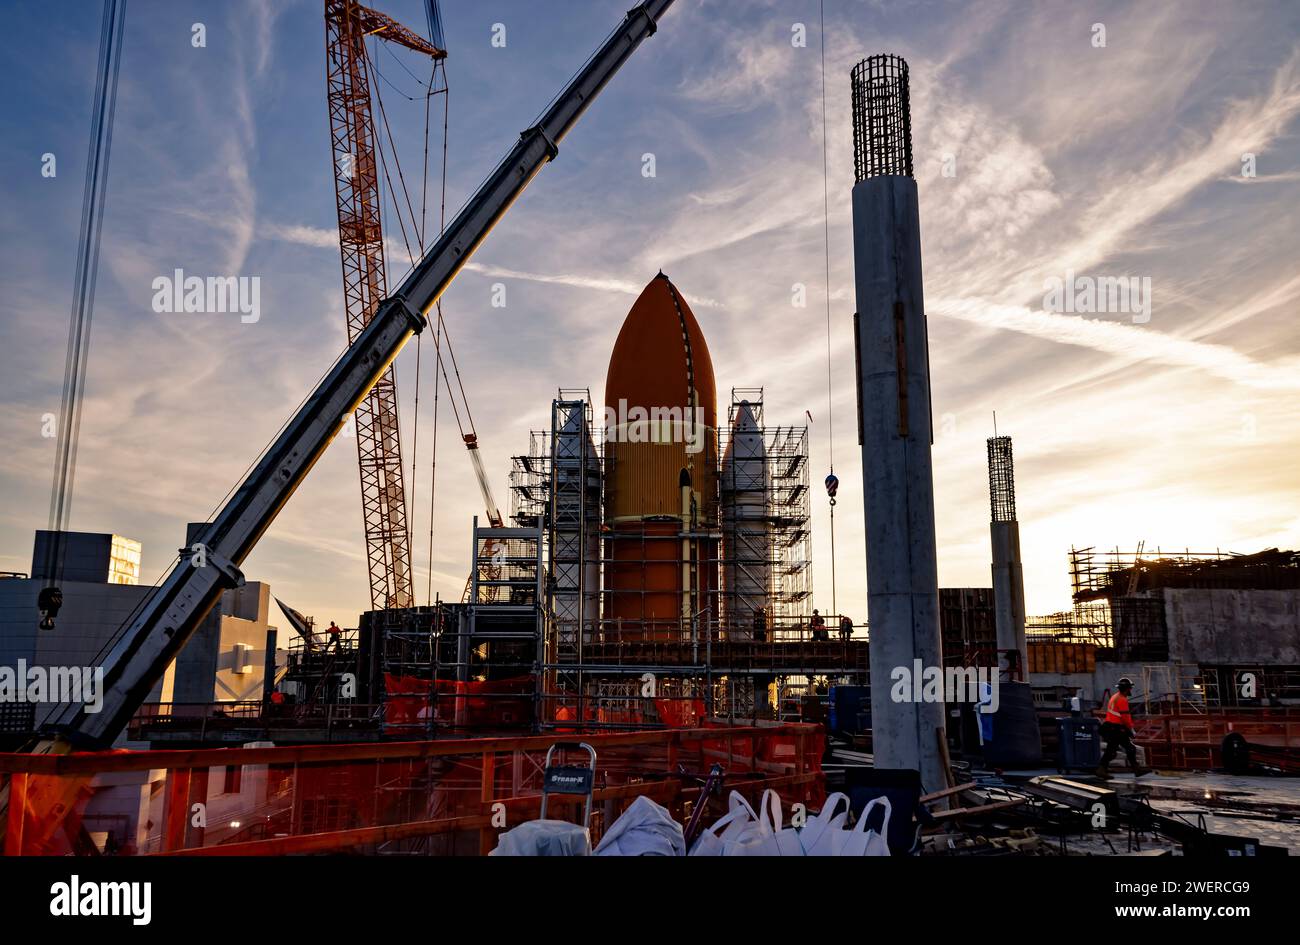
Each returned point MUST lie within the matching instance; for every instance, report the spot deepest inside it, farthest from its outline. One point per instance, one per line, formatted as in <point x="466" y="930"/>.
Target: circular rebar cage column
<point x="882" y="118"/>
<point x="1002" y="479"/>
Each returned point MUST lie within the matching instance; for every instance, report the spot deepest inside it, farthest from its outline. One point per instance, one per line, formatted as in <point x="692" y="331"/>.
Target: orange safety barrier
<point x="680" y="713"/>
<point x="474" y="704"/>
<point x="425" y="797"/>
<point x="1195" y="741"/>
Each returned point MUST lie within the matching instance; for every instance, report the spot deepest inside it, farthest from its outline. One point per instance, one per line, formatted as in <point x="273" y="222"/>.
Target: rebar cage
<point x="1002" y="479"/>
<point x="882" y="118"/>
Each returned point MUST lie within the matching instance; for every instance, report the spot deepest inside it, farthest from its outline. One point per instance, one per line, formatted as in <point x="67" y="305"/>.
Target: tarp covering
<point x="544" y="838"/>
<point x="644" y="829"/>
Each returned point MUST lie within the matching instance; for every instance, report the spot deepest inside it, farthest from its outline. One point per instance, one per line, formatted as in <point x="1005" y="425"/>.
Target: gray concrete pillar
<point x="895" y="423"/>
<point x="1009" y="589"/>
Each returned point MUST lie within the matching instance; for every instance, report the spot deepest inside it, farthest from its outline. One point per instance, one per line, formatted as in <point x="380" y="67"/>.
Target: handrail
<point x="89" y="763"/>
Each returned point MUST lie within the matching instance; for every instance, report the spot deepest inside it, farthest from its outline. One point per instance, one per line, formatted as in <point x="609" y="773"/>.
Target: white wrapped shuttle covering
<point x="746" y="527"/>
<point x="575" y="517"/>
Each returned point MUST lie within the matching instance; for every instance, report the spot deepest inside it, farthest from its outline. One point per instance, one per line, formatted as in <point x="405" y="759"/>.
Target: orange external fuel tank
<point x="661" y="473"/>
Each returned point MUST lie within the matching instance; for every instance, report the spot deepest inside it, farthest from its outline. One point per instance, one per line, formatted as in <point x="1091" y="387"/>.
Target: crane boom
<point x="170" y="616"/>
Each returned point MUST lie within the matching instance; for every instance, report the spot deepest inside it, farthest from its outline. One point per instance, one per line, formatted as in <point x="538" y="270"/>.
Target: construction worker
<point x="1117" y="730"/>
<point x="818" y="626"/>
<point x="846" y="628"/>
<point x="335" y="633"/>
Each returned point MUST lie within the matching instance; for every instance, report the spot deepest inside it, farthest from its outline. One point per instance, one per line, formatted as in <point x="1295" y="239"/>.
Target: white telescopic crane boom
<point x="173" y="612"/>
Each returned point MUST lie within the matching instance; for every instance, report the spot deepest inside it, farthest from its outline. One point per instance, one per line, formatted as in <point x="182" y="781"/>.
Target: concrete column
<point x="898" y="486"/>
<point x="1008" y="575"/>
<point x="1009" y="589"/>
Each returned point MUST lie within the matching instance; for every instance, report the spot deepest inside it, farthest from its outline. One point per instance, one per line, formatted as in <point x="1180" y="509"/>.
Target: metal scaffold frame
<point x="780" y="542"/>
<point x="593" y="669"/>
<point x="1087" y="622"/>
<point x="559" y="483"/>
<point x="409" y="650"/>
<point x="1106" y="574"/>
<point x="499" y="631"/>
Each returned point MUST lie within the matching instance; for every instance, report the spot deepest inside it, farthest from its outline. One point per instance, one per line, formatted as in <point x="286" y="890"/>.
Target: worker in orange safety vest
<point x="1117" y="729"/>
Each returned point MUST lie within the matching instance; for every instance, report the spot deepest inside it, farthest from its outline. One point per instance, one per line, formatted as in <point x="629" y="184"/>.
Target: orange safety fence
<point x="680" y="713"/>
<point x="473" y="704"/>
<point x="1195" y="741"/>
<point x="421" y="797"/>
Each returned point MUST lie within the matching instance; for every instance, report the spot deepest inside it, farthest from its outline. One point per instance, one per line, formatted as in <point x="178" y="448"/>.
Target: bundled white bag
<point x="818" y="833"/>
<point x="544" y="838"/>
<point x="644" y="829"/>
<point x="767" y="837"/>
<point x="728" y="829"/>
<point x="860" y="841"/>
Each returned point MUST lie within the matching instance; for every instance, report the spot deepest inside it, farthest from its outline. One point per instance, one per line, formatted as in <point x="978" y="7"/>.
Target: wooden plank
<point x="959" y="812"/>
<point x="949" y="791"/>
<point x="943" y="755"/>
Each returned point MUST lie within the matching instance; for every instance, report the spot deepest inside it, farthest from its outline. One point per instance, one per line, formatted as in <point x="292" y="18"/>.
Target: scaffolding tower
<point x="592" y="671"/>
<point x="1086" y="622"/>
<point x="558" y="483"/>
<point x="779" y="545"/>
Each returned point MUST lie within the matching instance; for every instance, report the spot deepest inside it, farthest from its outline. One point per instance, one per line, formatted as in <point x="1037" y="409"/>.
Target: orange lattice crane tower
<point x="361" y="244"/>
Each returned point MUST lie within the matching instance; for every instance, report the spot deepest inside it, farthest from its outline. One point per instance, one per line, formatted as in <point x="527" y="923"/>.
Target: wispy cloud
<point x="1129" y="344"/>
<point x="322" y="238"/>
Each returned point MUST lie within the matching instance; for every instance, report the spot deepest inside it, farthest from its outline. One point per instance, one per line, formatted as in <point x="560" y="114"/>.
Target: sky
<point x="1043" y="146"/>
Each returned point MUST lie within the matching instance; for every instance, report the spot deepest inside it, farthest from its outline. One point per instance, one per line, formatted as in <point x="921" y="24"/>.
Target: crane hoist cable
<point x="112" y="28"/>
<point x="457" y="394"/>
<point x="832" y="482"/>
<point x="390" y="162"/>
<point x="434" y="19"/>
<point x="469" y="438"/>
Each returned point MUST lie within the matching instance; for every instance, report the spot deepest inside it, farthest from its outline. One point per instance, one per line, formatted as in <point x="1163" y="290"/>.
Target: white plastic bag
<point x="739" y="819"/>
<point x="767" y="837"/>
<point x="819" y="832"/>
<point x="860" y="841"/>
<point x="644" y="829"/>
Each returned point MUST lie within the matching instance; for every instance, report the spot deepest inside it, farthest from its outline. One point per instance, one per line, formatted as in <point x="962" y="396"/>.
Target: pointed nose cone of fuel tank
<point x="661" y="358"/>
<point x="660" y="362"/>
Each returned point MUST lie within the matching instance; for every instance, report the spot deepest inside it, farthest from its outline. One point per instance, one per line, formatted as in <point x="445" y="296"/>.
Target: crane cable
<point x="442" y="336"/>
<point x="83" y="303"/>
<point x="437" y="341"/>
<point x="832" y="483"/>
<point x="419" y="229"/>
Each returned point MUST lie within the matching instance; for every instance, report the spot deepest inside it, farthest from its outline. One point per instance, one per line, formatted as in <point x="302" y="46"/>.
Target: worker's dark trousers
<point x="1117" y="737"/>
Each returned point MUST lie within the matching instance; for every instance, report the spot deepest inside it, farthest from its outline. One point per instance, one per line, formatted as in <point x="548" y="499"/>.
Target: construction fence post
<point x="177" y="812"/>
<point x="486" y="841"/>
<point x="17" y="813"/>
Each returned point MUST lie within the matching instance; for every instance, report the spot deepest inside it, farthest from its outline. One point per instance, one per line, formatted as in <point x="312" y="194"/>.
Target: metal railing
<point x="424" y="797"/>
